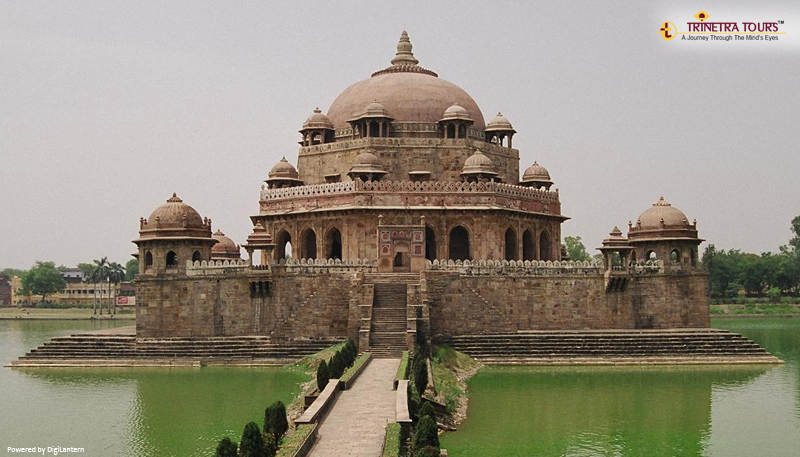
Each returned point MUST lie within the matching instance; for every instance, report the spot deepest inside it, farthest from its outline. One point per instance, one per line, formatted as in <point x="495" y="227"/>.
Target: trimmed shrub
<point x="336" y="367"/>
<point x="226" y="448"/>
<point x="413" y="401"/>
<point x="348" y="353"/>
<point x="426" y="433"/>
<point x="427" y="451"/>
<point x="270" y="444"/>
<point x="275" y="421"/>
<point x="426" y="409"/>
<point x="419" y="372"/>
<point x="252" y="444"/>
<point x="323" y="374"/>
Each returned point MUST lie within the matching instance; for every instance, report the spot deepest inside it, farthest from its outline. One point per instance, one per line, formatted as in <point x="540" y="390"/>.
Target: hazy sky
<point x="106" y="108"/>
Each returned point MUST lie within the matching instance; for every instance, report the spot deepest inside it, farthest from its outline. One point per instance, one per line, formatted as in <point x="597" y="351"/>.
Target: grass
<point x="402" y="370"/>
<point x="354" y="367"/>
<point x="446" y="363"/>
<point x="755" y="309"/>
<point x="69" y="313"/>
<point x="392" y="442"/>
<point x="294" y="439"/>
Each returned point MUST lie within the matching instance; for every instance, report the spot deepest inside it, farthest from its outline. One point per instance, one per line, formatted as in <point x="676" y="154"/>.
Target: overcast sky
<point x="106" y="108"/>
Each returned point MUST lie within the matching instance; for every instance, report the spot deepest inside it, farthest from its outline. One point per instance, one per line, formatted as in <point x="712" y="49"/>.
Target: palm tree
<point x="116" y="274"/>
<point x="98" y="275"/>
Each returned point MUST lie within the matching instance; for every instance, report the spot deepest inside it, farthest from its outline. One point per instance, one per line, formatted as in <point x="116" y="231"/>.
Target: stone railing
<point x="318" y="266"/>
<point x="529" y="267"/>
<point x="415" y="187"/>
<point x="215" y="267"/>
<point x="646" y="267"/>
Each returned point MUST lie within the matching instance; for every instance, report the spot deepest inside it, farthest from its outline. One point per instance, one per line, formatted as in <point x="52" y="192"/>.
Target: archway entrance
<point x="283" y="245"/>
<point x="528" y="248"/>
<point x="308" y="244"/>
<point x="402" y="259"/>
<point x="430" y="244"/>
<point x="511" y="244"/>
<point x="459" y="243"/>
<point x="333" y="244"/>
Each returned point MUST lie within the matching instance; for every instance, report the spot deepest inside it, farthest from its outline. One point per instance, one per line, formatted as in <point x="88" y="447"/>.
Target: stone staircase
<point x="388" y="327"/>
<point x="394" y="278"/>
<point x="679" y="346"/>
<point x="116" y="350"/>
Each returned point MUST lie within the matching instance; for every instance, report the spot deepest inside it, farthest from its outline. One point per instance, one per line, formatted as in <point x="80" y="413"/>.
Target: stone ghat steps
<point x="76" y="350"/>
<point x="394" y="278"/>
<point x="624" y="347"/>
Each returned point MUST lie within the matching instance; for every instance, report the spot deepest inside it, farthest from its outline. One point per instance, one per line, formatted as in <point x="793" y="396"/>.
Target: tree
<point x="336" y="366"/>
<point x="226" y="448"/>
<point x="576" y="250"/>
<point x="43" y="279"/>
<point x="419" y="371"/>
<point x="275" y="421"/>
<point x="116" y="274"/>
<point x="11" y="272"/>
<point x="97" y="277"/>
<point x="252" y="444"/>
<point x="426" y="434"/>
<point x="323" y="374"/>
<point x="131" y="269"/>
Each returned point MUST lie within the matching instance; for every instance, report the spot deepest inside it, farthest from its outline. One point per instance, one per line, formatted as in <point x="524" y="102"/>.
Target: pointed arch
<point x="511" y="244"/>
<point x="283" y="245"/>
<point x="430" y="243"/>
<point x="528" y="246"/>
<point x="308" y="244"/>
<point x="458" y="243"/>
<point x="333" y="244"/>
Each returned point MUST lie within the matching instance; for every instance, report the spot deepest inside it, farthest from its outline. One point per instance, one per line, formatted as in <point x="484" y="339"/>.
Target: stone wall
<point x="463" y="303"/>
<point x="289" y="305"/>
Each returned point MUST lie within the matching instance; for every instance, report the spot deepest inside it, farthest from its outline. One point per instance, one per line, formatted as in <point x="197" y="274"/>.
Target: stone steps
<point x="388" y="326"/>
<point x="617" y="346"/>
<point x="406" y="278"/>
<point x="76" y="350"/>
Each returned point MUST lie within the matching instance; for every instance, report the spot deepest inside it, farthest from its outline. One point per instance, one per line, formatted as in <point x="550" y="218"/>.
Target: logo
<point x="727" y="31"/>
<point x="668" y="30"/>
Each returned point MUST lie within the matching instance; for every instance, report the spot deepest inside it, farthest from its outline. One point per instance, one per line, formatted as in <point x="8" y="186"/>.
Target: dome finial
<point x="404" y="55"/>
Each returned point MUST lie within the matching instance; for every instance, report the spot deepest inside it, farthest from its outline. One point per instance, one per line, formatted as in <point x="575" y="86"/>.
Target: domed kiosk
<point x="663" y="232"/>
<point x="174" y="233"/>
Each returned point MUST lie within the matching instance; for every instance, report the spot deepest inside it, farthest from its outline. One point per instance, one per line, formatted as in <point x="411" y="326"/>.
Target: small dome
<point x="455" y="111"/>
<point x="283" y="170"/>
<point x="662" y="214"/>
<point x="175" y="214"/>
<point x="367" y="163"/>
<point x="499" y="123"/>
<point x="317" y="120"/>
<point x="536" y="172"/>
<point x="478" y="164"/>
<point x="225" y="248"/>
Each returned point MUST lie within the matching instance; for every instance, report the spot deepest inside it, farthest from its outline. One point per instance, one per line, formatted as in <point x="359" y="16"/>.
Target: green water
<point x="128" y="411"/>
<point x="650" y="411"/>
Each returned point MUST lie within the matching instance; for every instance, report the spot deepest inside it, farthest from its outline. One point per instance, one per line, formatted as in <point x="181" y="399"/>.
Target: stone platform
<point x="120" y="348"/>
<point x="613" y="347"/>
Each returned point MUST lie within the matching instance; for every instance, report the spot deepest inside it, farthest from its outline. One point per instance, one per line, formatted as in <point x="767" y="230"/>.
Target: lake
<point x="640" y="411"/>
<point x="128" y="411"/>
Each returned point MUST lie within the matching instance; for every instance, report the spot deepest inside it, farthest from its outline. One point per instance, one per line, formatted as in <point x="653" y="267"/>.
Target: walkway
<point x="356" y="425"/>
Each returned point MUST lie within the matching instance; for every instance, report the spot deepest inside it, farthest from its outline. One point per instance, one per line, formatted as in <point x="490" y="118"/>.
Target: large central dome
<point x="409" y="93"/>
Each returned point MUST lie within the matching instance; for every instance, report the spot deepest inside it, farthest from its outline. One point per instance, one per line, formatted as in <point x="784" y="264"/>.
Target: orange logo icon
<point x="668" y="30"/>
<point x="701" y="16"/>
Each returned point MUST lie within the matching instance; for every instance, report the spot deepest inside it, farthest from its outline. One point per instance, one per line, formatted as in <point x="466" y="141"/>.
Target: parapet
<point x="516" y="267"/>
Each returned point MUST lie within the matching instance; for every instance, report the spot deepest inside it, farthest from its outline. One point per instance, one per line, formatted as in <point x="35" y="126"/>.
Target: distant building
<point x="5" y="290"/>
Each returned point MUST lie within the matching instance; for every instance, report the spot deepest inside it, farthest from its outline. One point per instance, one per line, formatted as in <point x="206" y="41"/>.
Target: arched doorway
<point x="675" y="256"/>
<point x="528" y="247"/>
<point x="430" y="244"/>
<point x="511" y="244"/>
<point x="308" y="244"/>
<point x="196" y="256"/>
<point x="333" y="244"/>
<point x="545" y="246"/>
<point x="402" y="259"/>
<point x="283" y="245"/>
<point x="148" y="260"/>
<point x="459" y="243"/>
